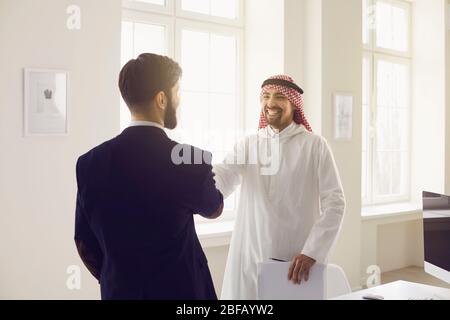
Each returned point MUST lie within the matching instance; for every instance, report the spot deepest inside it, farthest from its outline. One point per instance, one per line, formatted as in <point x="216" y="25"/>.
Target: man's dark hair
<point x="141" y="79"/>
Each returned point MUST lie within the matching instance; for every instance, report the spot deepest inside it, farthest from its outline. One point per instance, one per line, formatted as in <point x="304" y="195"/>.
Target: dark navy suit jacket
<point x="134" y="226"/>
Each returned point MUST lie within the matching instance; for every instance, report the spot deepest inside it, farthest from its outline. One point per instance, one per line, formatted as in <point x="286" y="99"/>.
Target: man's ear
<point x="161" y="100"/>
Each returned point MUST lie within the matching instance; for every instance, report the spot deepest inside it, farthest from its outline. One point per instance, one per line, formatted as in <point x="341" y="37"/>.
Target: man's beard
<point x="273" y="121"/>
<point x="170" y="116"/>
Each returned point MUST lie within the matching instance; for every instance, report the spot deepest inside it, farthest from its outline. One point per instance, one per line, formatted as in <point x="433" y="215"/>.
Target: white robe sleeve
<point x="228" y="174"/>
<point x="332" y="206"/>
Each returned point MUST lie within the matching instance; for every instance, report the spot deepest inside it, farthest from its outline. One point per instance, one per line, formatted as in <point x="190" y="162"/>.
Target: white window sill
<point x="218" y="233"/>
<point x="215" y="234"/>
<point x="394" y="211"/>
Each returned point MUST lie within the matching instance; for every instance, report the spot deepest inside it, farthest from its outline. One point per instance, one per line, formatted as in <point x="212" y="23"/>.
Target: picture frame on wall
<point x="45" y="102"/>
<point x="343" y="116"/>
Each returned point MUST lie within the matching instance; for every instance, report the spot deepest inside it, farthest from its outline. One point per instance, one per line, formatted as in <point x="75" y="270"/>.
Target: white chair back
<point x="337" y="282"/>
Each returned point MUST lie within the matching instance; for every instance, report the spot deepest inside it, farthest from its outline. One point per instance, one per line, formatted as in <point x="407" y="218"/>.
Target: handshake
<point x="138" y="193"/>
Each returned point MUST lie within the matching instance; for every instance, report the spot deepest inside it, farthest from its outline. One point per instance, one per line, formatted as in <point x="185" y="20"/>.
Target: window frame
<point x="183" y="24"/>
<point x="167" y="9"/>
<point x="238" y="22"/>
<point x="374" y="54"/>
<point x="174" y="19"/>
<point x="405" y="196"/>
<point x="153" y="19"/>
<point x="372" y="36"/>
<point x="370" y="129"/>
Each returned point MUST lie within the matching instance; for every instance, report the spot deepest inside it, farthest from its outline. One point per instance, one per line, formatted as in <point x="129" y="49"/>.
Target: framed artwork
<point x="343" y="116"/>
<point x="45" y="102"/>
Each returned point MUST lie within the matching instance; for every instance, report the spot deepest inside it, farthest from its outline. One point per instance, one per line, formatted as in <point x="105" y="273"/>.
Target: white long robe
<point x="299" y="209"/>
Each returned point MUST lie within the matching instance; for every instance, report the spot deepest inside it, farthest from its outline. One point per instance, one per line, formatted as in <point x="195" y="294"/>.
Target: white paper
<point x="273" y="283"/>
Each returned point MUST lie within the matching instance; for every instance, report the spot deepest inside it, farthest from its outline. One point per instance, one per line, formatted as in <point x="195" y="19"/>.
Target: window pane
<point x="209" y="98"/>
<point x="209" y="101"/>
<point x="195" y="60"/>
<point x="366" y="81"/>
<point x="392" y="129"/>
<point x="149" y="38"/>
<point x="399" y="132"/>
<point x="365" y="107"/>
<point x="391" y="173"/>
<point x="365" y="128"/>
<point x="222" y="119"/>
<point x="383" y="128"/>
<point x="364" y="174"/>
<point x="198" y="6"/>
<point x="138" y="38"/>
<point x="127" y="42"/>
<point x="224" y="8"/>
<point x="208" y="121"/>
<point x="396" y="172"/>
<point x="126" y="55"/>
<point x="125" y="116"/>
<point x="399" y="170"/>
<point x="382" y="173"/>
<point x="392" y="100"/>
<point x="229" y="203"/>
<point x="218" y="8"/>
<point x="392" y="27"/>
<point x="223" y="64"/>
<point x="401" y="88"/>
<point x="194" y="118"/>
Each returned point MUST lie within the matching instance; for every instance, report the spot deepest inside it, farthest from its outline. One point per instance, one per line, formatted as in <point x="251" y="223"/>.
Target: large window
<point x="386" y="102"/>
<point x="206" y="38"/>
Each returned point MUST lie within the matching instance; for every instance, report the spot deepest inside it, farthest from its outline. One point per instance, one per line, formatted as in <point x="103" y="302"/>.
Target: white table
<point x="401" y="290"/>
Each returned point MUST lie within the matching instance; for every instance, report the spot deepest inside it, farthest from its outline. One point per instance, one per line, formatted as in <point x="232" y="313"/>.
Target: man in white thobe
<point x="291" y="202"/>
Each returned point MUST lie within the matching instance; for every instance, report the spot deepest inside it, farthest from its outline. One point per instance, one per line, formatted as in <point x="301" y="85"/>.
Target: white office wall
<point x="37" y="175"/>
<point x="294" y="61"/>
<point x="303" y="59"/>
<point x="217" y="258"/>
<point x="400" y="245"/>
<point x="391" y="243"/>
<point x="341" y="72"/>
<point x="428" y="118"/>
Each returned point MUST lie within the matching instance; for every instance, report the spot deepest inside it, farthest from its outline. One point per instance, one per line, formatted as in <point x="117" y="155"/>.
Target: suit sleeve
<point x="85" y="240"/>
<point x="197" y="187"/>
<point x="210" y="200"/>
<point x="332" y="206"/>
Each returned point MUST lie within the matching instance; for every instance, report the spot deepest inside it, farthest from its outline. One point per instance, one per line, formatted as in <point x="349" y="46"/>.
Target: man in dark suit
<point x="134" y="226"/>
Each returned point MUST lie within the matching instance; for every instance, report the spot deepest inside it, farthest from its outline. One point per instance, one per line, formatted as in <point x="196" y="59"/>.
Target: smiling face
<point x="277" y="109"/>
